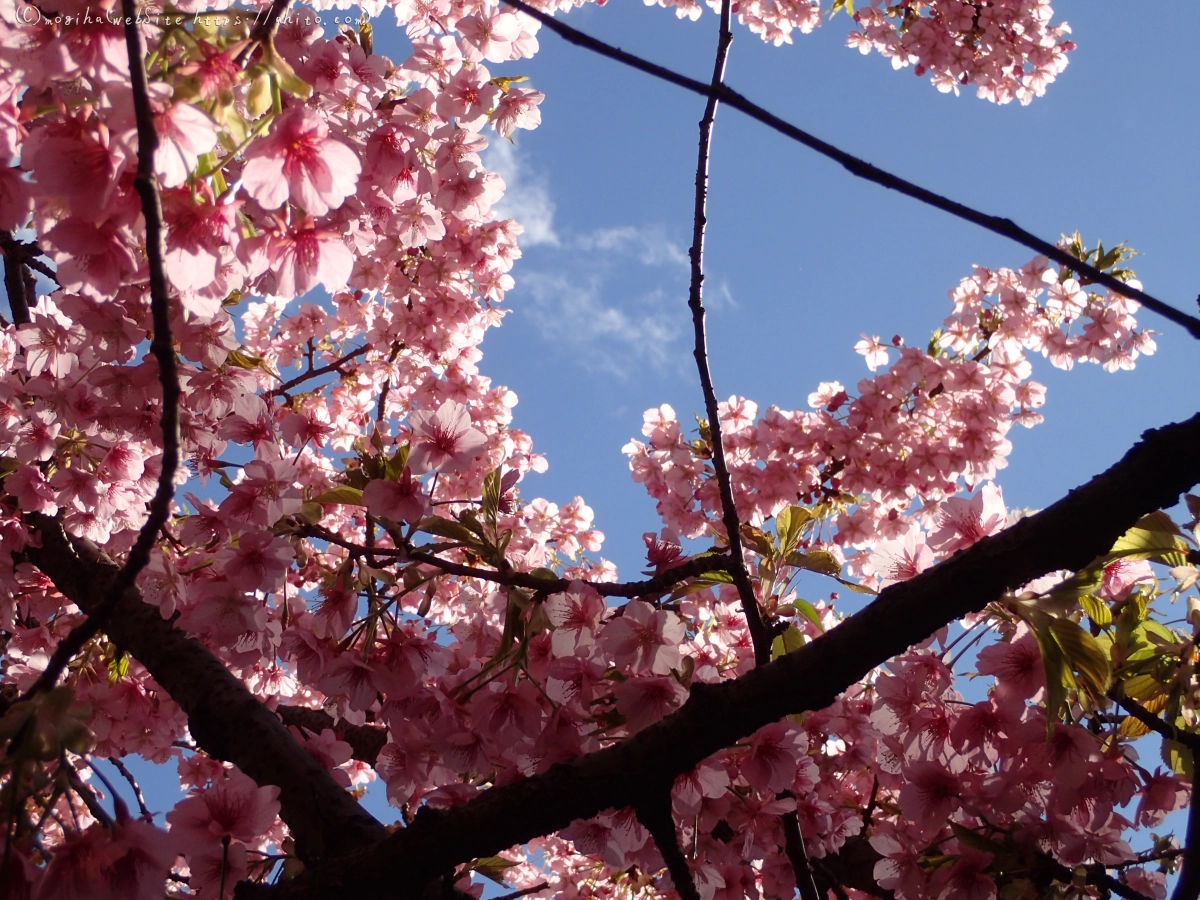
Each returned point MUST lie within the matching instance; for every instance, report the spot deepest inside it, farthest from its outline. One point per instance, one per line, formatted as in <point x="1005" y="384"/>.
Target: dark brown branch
<point x="225" y="719"/>
<point x="797" y="855"/>
<point x="1004" y="227"/>
<point x="264" y="29"/>
<point x="365" y="740"/>
<point x="1154" y="723"/>
<point x="161" y="345"/>
<point x="741" y="578"/>
<point x="1188" y="885"/>
<point x="523" y="892"/>
<point x="654" y="812"/>
<point x="1067" y="535"/>
<point x="335" y="366"/>
<point x="18" y="283"/>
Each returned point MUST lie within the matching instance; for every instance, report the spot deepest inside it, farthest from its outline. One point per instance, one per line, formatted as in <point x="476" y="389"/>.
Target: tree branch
<point x="18" y="282"/>
<point x="1004" y="227"/>
<point x="334" y="366"/>
<point x="668" y="578"/>
<point x="161" y="345"/>
<point x="654" y="812"/>
<point x="1188" y="885"/>
<point x="226" y="720"/>
<point x="741" y="578"/>
<point x="365" y="740"/>
<point x="1154" y="723"/>
<point x="1067" y="535"/>
<point x="116" y="763"/>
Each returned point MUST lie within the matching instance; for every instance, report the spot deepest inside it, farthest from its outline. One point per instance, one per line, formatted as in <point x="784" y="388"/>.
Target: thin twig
<point x="137" y="791"/>
<point x="797" y="855"/>
<point x="862" y="169"/>
<point x="161" y="346"/>
<point x="1153" y="722"/>
<point x="668" y="578"/>
<point x="523" y="892"/>
<point x="334" y="366"/>
<point x="741" y="578"/>
<point x="381" y="408"/>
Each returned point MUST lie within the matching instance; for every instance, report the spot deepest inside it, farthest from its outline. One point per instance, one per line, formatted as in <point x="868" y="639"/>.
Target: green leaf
<point x="792" y="639"/>
<point x="1084" y="656"/>
<point x="758" y="540"/>
<point x="1179" y="758"/>
<point x="820" y="561"/>
<point x="809" y="612"/>
<point x="118" y="668"/>
<point x="1154" y="537"/>
<point x="447" y="529"/>
<point x="288" y="79"/>
<point x="311" y="512"/>
<point x="969" y="838"/>
<point x="789" y="525"/>
<point x="243" y="360"/>
<point x="1059" y="679"/>
<point x="1097" y="610"/>
<point x="492" y="867"/>
<point x="468" y="518"/>
<point x="344" y="494"/>
<point x="491" y="497"/>
<point x="1143" y="688"/>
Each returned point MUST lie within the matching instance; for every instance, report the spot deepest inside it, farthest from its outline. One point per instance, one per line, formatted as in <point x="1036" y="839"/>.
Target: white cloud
<point x="612" y="299"/>
<point x="526" y="197"/>
<point x="651" y="245"/>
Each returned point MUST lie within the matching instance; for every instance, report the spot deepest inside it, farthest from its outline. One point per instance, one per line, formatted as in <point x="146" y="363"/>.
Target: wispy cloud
<point x="526" y="196"/>
<point x="570" y="311"/>
<point x="612" y="299"/>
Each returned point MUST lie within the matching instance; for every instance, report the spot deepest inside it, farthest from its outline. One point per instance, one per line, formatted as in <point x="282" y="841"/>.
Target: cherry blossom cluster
<point x="1007" y="49"/>
<point x="352" y="506"/>
<point x="926" y="425"/>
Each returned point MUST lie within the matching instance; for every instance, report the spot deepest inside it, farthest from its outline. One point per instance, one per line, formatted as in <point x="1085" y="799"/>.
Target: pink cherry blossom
<point x="234" y="807"/>
<point x="401" y="500"/>
<point x="299" y="161"/>
<point x="644" y="639"/>
<point x="444" y="439"/>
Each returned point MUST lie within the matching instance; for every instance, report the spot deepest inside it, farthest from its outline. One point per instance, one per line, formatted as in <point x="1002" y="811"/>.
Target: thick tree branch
<point x="862" y="169"/>
<point x="729" y="516"/>
<point x="1067" y="535"/>
<point x="365" y="740"/>
<point x="1188" y="885"/>
<point x="161" y="345"/>
<point x="226" y="720"/>
<point x="265" y="26"/>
